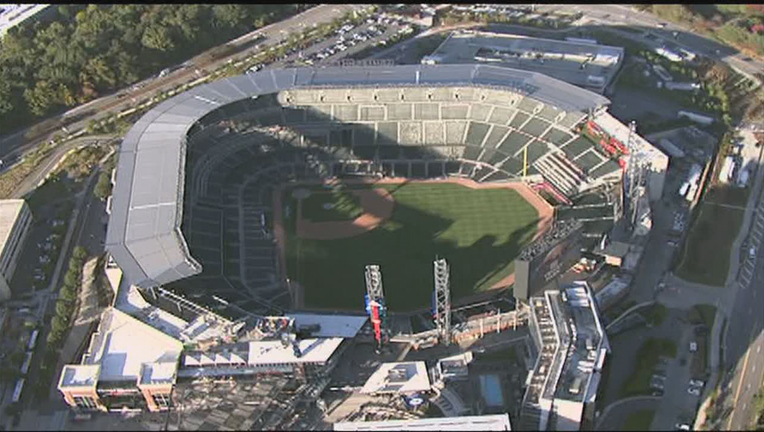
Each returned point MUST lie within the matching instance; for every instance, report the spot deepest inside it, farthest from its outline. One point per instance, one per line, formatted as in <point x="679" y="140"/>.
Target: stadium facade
<point x="195" y="180"/>
<point x="181" y="169"/>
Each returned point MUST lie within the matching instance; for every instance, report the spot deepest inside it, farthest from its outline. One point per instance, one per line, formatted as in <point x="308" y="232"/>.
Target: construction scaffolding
<point x="442" y="301"/>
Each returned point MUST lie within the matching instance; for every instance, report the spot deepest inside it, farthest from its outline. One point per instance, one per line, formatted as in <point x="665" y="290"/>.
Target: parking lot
<point x="344" y="43"/>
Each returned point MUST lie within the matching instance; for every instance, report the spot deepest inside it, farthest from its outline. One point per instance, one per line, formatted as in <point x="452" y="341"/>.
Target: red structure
<point x="376" y="321"/>
<point x="611" y="145"/>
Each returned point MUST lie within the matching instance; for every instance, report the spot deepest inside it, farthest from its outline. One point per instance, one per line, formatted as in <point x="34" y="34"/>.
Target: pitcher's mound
<point x="377" y="207"/>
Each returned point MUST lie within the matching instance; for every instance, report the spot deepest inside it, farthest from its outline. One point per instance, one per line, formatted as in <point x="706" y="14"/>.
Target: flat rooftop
<point x="572" y="62"/>
<point x="204" y="326"/>
<point x="9" y="211"/>
<point x="621" y="132"/>
<point x="122" y="344"/>
<point x="398" y="377"/>
<point x="273" y="352"/>
<point x="497" y="422"/>
<point x="79" y="376"/>
<point x="583" y="350"/>
<point x="345" y="326"/>
<point x="158" y="373"/>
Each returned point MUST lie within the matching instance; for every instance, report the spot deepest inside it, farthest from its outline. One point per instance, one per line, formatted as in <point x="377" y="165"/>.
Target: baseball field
<point x="329" y="233"/>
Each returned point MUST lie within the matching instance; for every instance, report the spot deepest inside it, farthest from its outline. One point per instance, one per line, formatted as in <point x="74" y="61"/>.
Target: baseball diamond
<point x="456" y="153"/>
<point x="480" y="229"/>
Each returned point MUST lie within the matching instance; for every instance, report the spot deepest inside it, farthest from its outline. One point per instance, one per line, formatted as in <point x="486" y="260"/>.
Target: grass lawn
<point x="654" y="314"/>
<point x="726" y="194"/>
<point x="616" y="310"/>
<point x="479" y="232"/>
<point x="639" y="420"/>
<point x="702" y="314"/>
<point x="707" y="249"/>
<point x="648" y="355"/>
<point x="343" y="206"/>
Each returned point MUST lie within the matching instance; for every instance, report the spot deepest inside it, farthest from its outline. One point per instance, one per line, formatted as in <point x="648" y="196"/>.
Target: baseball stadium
<point x="272" y="190"/>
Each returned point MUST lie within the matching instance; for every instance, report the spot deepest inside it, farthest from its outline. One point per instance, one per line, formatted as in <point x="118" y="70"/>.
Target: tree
<point x="68" y="293"/>
<point x="72" y="279"/>
<point x="80" y="253"/>
<point x="157" y="38"/>
<point x="54" y="337"/>
<point x="102" y="189"/>
<point x="64" y="308"/>
<point x="59" y="324"/>
<point x="229" y="16"/>
<point x="41" y="98"/>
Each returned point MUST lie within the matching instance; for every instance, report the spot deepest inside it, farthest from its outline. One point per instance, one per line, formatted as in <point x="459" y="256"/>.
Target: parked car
<point x="697" y="383"/>
<point x="693" y="391"/>
<point x="683" y="426"/>
<point x="693" y="346"/>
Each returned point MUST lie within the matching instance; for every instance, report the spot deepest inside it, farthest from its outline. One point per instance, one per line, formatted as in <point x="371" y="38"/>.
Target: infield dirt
<point x="479" y="228"/>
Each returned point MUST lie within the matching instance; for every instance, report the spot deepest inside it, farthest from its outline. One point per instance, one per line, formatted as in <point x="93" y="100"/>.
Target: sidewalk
<point x="88" y="313"/>
<point x="732" y="287"/>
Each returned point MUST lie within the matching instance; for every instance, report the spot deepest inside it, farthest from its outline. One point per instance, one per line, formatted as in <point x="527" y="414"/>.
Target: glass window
<point x="85" y="402"/>
<point x="162" y="400"/>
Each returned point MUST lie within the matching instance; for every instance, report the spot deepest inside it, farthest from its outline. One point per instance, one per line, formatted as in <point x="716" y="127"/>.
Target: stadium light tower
<point x="375" y="302"/>
<point x="634" y="174"/>
<point x="442" y="300"/>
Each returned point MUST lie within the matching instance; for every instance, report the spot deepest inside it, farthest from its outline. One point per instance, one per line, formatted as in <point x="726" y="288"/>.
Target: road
<point x="624" y="15"/>
<point x="745" y="339"/>
<point x="52" y="414"/>
<point x="77" y="118"/>
<point x="33" y="179"/>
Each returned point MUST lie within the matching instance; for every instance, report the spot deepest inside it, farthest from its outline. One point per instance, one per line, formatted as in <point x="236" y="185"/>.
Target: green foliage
<point x="54" y="337"/>
<point x="102" y="189"/>
<point x="654" y="314"/>
<point x="59" y="323"/>
<point x="79" y="254"/>
<point x="72" y="279"/>
<point x="64" y="308"/>
<point x="73" y="59"/>
<point x="68" y="293"/>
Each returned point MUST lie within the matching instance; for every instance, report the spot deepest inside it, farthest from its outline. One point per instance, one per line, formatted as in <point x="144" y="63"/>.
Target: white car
<point x="697" y="383"/>
<point x="682" y="426"/>
<point x="693" y="391"/>
<point x="693" y="347"/>
<point x="752" y="252"/>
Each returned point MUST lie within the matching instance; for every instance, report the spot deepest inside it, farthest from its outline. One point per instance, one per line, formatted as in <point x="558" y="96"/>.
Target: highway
<point x="193" y="69"/>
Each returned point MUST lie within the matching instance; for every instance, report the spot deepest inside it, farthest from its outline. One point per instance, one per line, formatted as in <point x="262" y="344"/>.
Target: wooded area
<point x="89" y="51"/>
<point x="739" y="25"/>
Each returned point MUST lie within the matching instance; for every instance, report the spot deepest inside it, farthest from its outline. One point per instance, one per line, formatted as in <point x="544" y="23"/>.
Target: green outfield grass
<point x="479" y="232"/>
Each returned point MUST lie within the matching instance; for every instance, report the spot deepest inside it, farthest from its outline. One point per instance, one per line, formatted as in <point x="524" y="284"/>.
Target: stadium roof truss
<point x="144" y="234"/>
